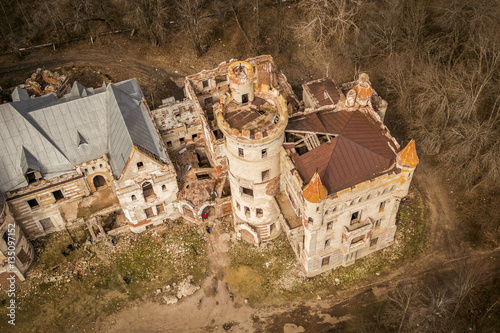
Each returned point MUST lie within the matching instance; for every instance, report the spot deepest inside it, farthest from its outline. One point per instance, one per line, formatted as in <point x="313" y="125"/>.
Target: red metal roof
<point x="358" y="152"/>
<point x="325" y="91"/>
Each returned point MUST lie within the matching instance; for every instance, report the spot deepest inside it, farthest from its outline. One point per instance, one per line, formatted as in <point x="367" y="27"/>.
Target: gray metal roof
<point x="53" y="135"/>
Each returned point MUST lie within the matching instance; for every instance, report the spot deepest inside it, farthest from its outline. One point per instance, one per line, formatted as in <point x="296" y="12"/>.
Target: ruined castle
<point x="325" y="171"/>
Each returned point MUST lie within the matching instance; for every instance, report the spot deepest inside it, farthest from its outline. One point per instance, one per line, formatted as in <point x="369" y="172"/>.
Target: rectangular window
<point x="33" y="203"/>
<point x="194" y="136"/>
<point x="329" y="225"/>
<point x="259" y="212"/>
<point x="264" y="153"/>
<point x="140" y="165"/>
<point x="327" y="243"/>
<point x="181" y="140"/>
<point x="247" y="191"/>
<point x="30" y="177"/>
<point x="244" y="98"/>
<point x="358" y="239"/>
<point x="149" y="212"/>
<point x="325" y="261"/>
<point x="46" y="224"/>
<point x="220" y="79"/>
<point x="377" y="224"/>
<point x="169" y="144"/>
<point x="247" y="211"/>
<point x="160" y="209"/>
<point x="58" y="195"/>
<point x="205" y="83"/>
<point x="373" y="243"/>
<point x="381" y="207"/>
<point x="310" y="220"/>
<point x="355" y="217"/>
<point x="241" y="153"/>
<point x="265" y="175"/>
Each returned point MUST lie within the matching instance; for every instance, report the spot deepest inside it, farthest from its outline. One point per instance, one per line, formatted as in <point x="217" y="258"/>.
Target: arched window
<point x="164" y="188"/>
<point x="99" y="181"/>
<point x="133" y="198"/>
<point x="147" y="190"/>
<point x="327" y="243"/>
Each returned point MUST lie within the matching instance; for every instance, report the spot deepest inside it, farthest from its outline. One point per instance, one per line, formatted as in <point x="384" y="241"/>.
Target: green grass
<point x="280" y="282"/>
<point x="151" y="260"/>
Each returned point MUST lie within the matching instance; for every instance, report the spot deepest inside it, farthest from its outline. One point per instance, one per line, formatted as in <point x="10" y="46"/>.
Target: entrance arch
<point x="208" y="211"/>
<point x="99" y="181"/>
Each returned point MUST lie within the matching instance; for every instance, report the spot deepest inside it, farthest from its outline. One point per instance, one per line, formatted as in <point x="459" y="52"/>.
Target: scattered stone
<point x="337" y="281"/>
<point x="319" y="297"/>
<point x="246" y="300"/>
<point x="187" y="288"/>
<point x="170" y="299"/>
<point x="158" y="291"/>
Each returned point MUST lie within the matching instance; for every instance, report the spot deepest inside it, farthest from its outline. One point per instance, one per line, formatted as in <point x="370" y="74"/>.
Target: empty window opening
<point x="208" y="102"/>
<point x="194" y="136"/>
<point x="368" y="197"/>
<point x="265" y="175"/>
<point x="327" y="243"/>
<point x="325" y="261"/>
<point x="46" y="224"/>
<point x="205" y="83"/>
<point x="329" y="225"/>
<point x="218" y="134"/>
<point x="381" y="207"/>
<point x="140" y="165"/>
<point x="169" y="144"/>
<point x="264" y="153"/>
<point x="247" y="191"/>
<point x="134" y="198"/>
<point x="149" y="212"/>
<point x="100" y="166"/>
<point x="33" y="176"/>
<point x="244" y="98"/>
<point x="310" y="220"/>
<point x="247" y="211"/>
<point x="181" y="140"/>
<point x="358" y="239"/>
<point x="99" y="181"/>
<point x="164" y="188"/>
<point x="355" y="217"/>
<point x="33" y="203"/>
<point x="58" y="195"/>
<point x="147" y="190"/>
<point x="160" y="209"/>
<point x="202" y="176"/>
<point x="220" y="79"/>
<point x="272" y="227"/>
<point x="373" y="242"/>
<point x="241" y="153"/>
<point x="259" y="212"/>
<point x="238" y="206"/>
<point x="93" y="168"/>
<point x="377" y="224"/>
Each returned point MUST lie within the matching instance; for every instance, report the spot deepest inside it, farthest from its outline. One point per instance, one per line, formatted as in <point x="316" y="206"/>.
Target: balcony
<point x="358" y="228"/>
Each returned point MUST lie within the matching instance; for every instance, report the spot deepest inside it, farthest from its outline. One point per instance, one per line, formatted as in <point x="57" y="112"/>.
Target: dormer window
<point x="32" y="176"/>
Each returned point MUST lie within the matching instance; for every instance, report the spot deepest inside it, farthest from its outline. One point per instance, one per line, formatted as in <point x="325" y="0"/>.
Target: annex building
<point x="325" y="171"/>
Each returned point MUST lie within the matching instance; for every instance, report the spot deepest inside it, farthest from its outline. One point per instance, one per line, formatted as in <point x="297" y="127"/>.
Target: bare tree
<point x="194" y="19"/>
<point x="401" y="300"/>
<point x="325" y="21"/>
<point x="151" y="17"/>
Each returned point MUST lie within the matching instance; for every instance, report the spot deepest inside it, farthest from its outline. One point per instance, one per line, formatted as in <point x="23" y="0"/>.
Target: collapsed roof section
<point x="344" y="147"/>
<point x="108" y="120"/>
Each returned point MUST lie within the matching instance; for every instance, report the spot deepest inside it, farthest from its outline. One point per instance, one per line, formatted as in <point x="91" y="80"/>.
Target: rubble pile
<point x="44" y="82"/>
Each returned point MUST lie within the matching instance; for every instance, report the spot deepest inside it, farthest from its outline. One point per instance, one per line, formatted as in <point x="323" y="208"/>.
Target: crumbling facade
<point x="57" y="150"/>
<point x="325" y="171"/>
<point x="16" y="252"/>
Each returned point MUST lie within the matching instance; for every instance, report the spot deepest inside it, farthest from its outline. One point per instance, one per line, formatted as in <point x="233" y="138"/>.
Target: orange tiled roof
<point x="364" y="90"/>
<point x="315" y="191"/>
<point x="408" y="156"/>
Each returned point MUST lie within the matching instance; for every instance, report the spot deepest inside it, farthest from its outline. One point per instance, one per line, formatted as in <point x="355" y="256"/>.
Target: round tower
<point x="253" y="119"/>
<point x="314" y="194"/>
<point x="241" y="76"/>
<point x="16" y="252"/>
